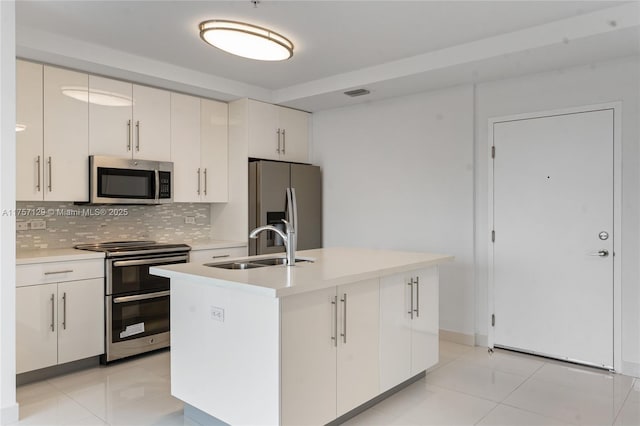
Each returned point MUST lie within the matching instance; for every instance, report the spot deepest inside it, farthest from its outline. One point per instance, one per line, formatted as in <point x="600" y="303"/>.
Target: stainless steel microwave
<point x="115" y="180"/>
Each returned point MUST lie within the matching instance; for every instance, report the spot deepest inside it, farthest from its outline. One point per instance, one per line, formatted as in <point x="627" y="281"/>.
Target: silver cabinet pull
<point x="53" y="328"/>
<point x="334" y="335"/>
<point x="38" y="167"/>
<point x="219" y="256"/>
<point x="198" y="180"/>
<point x="411" y="291"/>
<point x="50" y="183"/>
<point x="66" y="271"/>
<point x="129" y="135"/>
<point x="284" y="142"/>
<point x="138" y="297"/>
<point x="278" y="149"/>
<point x="601" y="253"/>
<point x="138" y="136"/>
<point x="205" y="181"/>
<point x="64" y="311"/>
<point x="344" y="318"/>
<point x="417" y="309"/>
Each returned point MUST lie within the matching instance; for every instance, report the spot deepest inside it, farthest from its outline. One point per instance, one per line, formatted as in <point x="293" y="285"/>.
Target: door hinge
<point x="493" y="236"/>
<point x="493" y="320"/>
<point x="493" y="152"/>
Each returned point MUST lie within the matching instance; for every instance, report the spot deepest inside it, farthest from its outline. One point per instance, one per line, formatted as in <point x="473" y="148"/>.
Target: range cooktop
<point x="130" y="248"/>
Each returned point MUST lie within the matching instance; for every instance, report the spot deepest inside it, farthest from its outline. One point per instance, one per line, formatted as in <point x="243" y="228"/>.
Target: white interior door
<point x="553" y="264"/>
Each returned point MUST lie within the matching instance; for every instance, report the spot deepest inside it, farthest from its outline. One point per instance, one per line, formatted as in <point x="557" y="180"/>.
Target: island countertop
<point x="330" y="267"/>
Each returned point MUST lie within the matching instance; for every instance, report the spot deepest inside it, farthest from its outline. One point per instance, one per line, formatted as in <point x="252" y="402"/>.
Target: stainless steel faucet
<point x="289" y="239"/>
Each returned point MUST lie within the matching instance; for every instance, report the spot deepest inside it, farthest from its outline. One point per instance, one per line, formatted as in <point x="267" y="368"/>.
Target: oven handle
<point x="154" y="261"/>
<point x="135" y="298"/>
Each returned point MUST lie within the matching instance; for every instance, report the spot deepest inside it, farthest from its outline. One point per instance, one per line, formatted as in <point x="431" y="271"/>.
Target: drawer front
<point x="50" y="272"/>
<point x="213" y="255"/>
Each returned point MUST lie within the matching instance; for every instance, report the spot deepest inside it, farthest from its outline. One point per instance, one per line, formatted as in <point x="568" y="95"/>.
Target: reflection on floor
<point x="467" y="387"/>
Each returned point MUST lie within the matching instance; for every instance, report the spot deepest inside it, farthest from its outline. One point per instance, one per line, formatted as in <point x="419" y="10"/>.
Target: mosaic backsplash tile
<point x="68" y="224"/>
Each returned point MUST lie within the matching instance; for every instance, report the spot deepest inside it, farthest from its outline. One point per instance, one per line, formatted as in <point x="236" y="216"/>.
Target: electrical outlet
<point x="217" y="314"/>
<point x="38" y="224"/>
<point x="191" y="220"/>
<point x="22" y="226"/>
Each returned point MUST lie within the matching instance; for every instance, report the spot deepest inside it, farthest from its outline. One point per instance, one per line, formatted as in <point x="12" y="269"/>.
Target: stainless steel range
<point x="136" y="302"/>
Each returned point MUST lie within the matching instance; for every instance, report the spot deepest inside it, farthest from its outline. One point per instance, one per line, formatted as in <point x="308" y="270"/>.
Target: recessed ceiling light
<point x="21" y="127"/>
<point x="97" y="97"/>
<point x="246" y="40"/>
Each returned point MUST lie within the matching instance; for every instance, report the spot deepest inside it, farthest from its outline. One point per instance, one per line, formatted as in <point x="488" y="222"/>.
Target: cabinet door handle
<point x="58" y="272"/>
<point x="417" y="309"/>
<point x="284" y="142"/>
<point x="411" y="292"/>
<point x="198" y="180"/>
<point x="64" y="311"/>
<point x="278" y="149"/>
<point x="344" y="318"/>
<point x="53" y="328"/>
<point x="334" y="334"/>
<point x="205" y="181"/>
<point x="129" y="135"/>
<point x="50" y="183"/>
<point x="138" y="136"/>
<point x="38" y="167"/>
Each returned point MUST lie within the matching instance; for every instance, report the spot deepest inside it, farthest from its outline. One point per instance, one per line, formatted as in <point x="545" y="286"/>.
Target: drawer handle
<point x="219" y="256"/>
<point x="66" y="271"/>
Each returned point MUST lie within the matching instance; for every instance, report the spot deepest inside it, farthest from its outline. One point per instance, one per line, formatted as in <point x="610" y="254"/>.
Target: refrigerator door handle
<point x="292" y="208"/>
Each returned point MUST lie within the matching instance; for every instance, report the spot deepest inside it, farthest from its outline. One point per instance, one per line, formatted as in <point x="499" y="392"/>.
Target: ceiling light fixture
<point x="97" y="97"/>
<point x="21" y="127"/>
<point x="246" y="40"/>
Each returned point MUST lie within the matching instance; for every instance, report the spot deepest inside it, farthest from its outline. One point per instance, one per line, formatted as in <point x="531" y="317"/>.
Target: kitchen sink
<point x="253" y="263"/>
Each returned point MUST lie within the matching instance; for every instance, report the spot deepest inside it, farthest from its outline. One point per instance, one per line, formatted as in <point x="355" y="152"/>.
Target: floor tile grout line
<point x="615" y="419"/>
<point x="490" y="411"/>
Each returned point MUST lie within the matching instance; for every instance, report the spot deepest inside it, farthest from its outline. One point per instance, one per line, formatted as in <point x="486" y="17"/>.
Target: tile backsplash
<point x="68" y="224"/>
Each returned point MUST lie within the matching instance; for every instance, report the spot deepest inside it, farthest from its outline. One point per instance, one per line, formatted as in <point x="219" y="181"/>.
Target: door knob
<point x="601" y="253"/>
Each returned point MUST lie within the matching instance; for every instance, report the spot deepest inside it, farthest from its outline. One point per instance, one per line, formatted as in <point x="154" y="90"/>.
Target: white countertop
<point x="331" y="267"/>
<point x="26" y="257"/>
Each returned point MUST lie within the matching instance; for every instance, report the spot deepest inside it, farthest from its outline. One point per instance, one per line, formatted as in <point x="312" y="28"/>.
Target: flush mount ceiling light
<point x="246" y="40"/>
<point x="21" y="127"/>
<point x="97" y="97"/>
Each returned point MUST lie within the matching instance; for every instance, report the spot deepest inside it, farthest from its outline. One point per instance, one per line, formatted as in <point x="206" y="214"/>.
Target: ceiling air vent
<point x="357" y="92"/>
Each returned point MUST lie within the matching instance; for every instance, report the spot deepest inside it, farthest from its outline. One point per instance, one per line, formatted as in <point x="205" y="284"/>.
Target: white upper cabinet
<point x="66" y="147"/>
<point x="199" y="149"/>
<point x="185" y="148"/>
<point x="277" y="133"/>
<point x="128" y="120"/>
<point x="29" y="133"/>
<point x="214" y="150"/>
<point x="53" y="147"/>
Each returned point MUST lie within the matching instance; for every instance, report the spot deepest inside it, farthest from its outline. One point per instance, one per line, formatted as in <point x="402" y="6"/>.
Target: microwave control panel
<point x="165" y="185"/>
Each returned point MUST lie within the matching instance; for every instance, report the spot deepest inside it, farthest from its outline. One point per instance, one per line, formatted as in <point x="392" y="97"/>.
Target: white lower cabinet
<point x="58" y="322"/>
<point x="329" y="350"/>
<point x="408" y="325"/>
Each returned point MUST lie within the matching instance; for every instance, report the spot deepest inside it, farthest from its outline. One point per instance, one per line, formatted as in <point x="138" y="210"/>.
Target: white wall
<point x="613" y="81"/>
<point x="398" y="174"/>
<point x="8" y="406"/>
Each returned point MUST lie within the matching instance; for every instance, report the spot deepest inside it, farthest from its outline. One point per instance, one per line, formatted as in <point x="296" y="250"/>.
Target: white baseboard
<point x="455" y="337"/>
<point x="482" y="340"/>
<point x="630" y="369"/>
<point x="9" y="415"/>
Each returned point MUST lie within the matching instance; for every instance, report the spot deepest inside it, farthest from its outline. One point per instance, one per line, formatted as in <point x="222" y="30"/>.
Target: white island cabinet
<point x="282" y="345"/>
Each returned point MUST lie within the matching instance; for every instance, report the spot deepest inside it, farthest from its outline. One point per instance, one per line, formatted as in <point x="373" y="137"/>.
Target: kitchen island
<point x="305" y="344"/>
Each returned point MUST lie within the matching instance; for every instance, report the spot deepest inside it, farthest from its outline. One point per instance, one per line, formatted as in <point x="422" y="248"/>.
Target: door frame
<point x="617" y="215"/>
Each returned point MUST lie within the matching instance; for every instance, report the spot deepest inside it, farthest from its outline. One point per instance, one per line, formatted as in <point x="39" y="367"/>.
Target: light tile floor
<point x="467" y="387"/>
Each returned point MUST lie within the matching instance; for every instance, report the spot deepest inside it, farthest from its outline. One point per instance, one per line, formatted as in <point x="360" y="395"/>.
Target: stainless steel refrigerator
<point x="268" y="183"/>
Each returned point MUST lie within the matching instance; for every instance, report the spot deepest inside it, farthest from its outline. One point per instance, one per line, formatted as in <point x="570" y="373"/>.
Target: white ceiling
<point x="390" y="47"/>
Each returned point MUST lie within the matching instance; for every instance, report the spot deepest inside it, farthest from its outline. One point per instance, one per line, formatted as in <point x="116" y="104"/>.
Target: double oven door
<point x="137" y="305"/>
